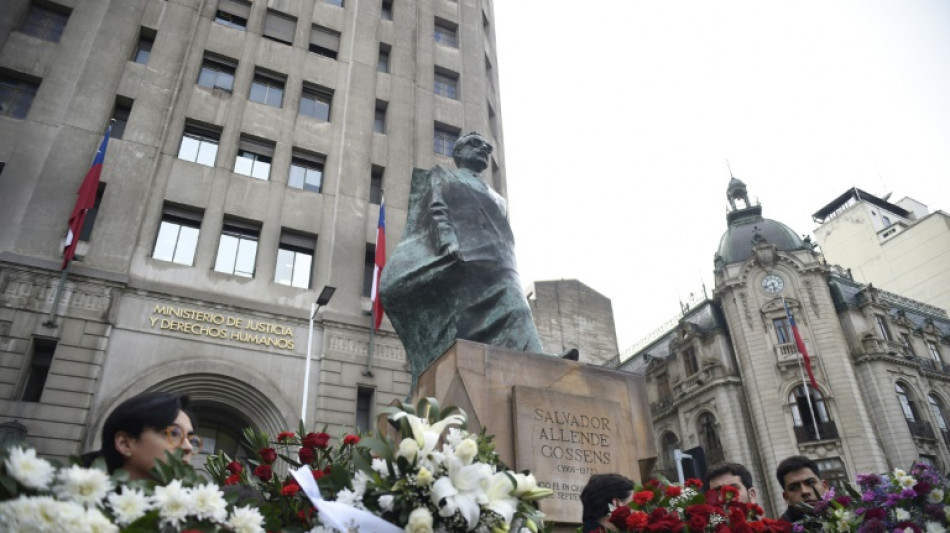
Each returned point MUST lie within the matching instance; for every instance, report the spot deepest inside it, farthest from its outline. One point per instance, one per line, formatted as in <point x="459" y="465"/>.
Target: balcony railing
<point x="826" y="430"/>
<point x="921" y="429"/>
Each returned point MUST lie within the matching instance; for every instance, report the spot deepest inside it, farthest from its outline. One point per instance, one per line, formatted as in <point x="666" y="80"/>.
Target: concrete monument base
<point x="563" y="420"/>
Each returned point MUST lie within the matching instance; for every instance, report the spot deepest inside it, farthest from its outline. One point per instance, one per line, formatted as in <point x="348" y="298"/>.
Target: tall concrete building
<point x="901" y="247"/>
<point x="727" y="374"/>
<point x="571" y="315"/>
<point x="253" y="143"/>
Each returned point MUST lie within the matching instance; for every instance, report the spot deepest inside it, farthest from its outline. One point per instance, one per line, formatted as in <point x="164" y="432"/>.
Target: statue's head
<point x="472" y="152"/>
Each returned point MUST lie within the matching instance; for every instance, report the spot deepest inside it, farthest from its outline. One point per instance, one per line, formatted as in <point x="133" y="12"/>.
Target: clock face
<point x="773" y="283"/>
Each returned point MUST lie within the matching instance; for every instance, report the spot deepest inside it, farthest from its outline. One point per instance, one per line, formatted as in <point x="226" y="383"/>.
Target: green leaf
<point x="382" y="448"/>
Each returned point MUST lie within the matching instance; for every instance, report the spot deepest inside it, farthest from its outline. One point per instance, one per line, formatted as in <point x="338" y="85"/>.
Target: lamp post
<point x="323" y="299"/>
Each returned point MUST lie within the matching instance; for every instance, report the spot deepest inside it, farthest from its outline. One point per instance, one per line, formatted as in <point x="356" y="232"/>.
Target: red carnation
<point x="697" y="523"/>
<point x="268" y="455"/>
<point x="637" y="520"/>
<point x="316" y="440"/>
<point x="235" y="467"/>
<point x="305" y="514"/>
<point x="729" y="493"/>
<point x="619" y="516"/>
<point x="264" y="472"/>
<point x="290" y="489"/>
<point x="693" y="482"/>
<point x="643" y="497"/>
<point x="233" y="479"/>
<point x="768" y="525"/>
<point x="317" y="474"/>
<point x="285" y="435"/>
<point x="673" y="491"/>
<point x="350" y="439"/>
<point x="306" y="455"/>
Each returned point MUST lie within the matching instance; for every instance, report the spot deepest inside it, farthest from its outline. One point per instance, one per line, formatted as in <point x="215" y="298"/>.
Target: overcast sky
<point x="619" y="117"/>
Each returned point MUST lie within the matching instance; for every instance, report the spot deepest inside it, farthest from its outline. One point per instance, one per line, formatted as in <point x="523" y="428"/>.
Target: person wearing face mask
<point x="603" y="493"/>
<point x="800" y="481"/>
<point x="141" y="429"/>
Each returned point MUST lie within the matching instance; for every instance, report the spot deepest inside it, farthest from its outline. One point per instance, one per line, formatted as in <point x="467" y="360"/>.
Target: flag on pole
<point x="380" y="263"/>
<point x="85" y="202"/>
<point x="801" y="346"/>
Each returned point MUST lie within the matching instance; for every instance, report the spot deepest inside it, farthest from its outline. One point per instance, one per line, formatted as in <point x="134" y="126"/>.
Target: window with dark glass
<point x="369" y="268"/>
<point x="306" y="172"/>
<point x="295" y="259"/>
<point x="940" y="414"/>
<point x="254" y="158"/>
<point x="177" y="237"/>
<point x="802" y="415"/>
<point x="199" y="144"/>
<point x="364" y="409"/>
<point x="668" y="444"/>
<point x="324" y="42"/>
<point x="121" y="112"/>
<point x="237" y="248"/>
<point x="90" y="222"/>
<point x="233" y="13"/>
<point x="908" y="405"/>
<point x="338" y="3"/>
<point x="446" y="33"/>
<point x="376" y="185"/>
<point x="143" y="49"/>
<point x="908" y="347"/>
<point x="45" y="22"/>
<point x="783" y="332"/>
<point x="690" y="361"/>
<point x="279" y="27"/>
<point x="41" y="358"/>
<point x="934" y="352"/>
<point x="446" y="84"/>
<point x="379" y="117"/>
<point x="445" y="138"/>
<point x="663" y="385"/>
<point x="709" y="438"/>
<point x="382" y="64"/>
<point x="882" y="327"/>
<point x="217" y="73"/>
<point x="316" y="101"/>
<point x="492" y="120"/>
<point x="386" y="12"/>
<point x="489" y="75"/>
<point x="16" y="96"/>
<point x="834" y="472"/>
<point x="267" y="88"/>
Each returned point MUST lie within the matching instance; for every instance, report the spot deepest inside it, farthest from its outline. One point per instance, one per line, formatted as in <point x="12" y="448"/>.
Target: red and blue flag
<point x="85" y="202"/>
<point x="801" y="346"/>
<point x="380" y="263"/>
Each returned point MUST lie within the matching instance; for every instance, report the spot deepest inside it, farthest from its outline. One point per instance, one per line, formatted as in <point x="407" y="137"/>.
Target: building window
<point x="237" y="249"/>
<point x="267" y="89"/>
<point x="492" y="120"/>
<point x="177" y="236"/>
<point x="143" y="49"/>
<point x="16" y="96"/>
<point x="338" y="3"/>
<point x="668" y="443"/>
<point x="369" y="267"/>
<point x="833" y="471"/>
<point x="489" y="75"/>
<point x="90" y="222"/>
<point x="887" y="221"/>
<point x="306" y="172"/>
<point x="802" y="416"/>
<point x="233" y="14"/>
<point x="882" y="327"/>
<point x="934" y="352"/>
<point x="254" y="158"/>
<point x="41" y="359"/>
<point x="364" y="409"/>
<point x="121" y="112"/>
<point x="940" y="414"/>
<point x="908" y="347"/>
<point x="690" y="362"/>
<point x="315" y="102"/>
<point x="387" y="10"/>
<point x="382" y="65"/>
<point x="907" y="403"/>
<point x="783" y="332"/>
<point x="709" y="438"/>
<point x="446" y="84"/>
<point x="376" y="185"/>
<point x="445" y="140"/>
<point x="324" y="42"/>
<point x="446" y="33"/>
<point x="279" y="27"/>
<point x="379" y="117"/>
<point x="217" y="73"/>
<point x="199" y="145"/>
<point x="45" y="22"/>
<point x="295" y="259"/>
<point x="663" y="385"/>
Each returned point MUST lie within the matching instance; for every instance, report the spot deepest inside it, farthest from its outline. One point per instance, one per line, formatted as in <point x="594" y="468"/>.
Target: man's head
<point x="732" y="475"/>
<point x="798" y="476"/>
<point x="472" y="151"/>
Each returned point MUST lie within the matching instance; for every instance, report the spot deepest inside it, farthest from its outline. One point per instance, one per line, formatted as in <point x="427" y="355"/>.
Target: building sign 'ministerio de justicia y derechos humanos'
<point x="186" y="321"/>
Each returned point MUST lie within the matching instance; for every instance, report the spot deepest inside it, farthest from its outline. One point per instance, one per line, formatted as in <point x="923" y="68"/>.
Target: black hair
<point x="155" y="410"/>
<point x="601" y="490"/>
<point x="735" y="469"/>
<point x="793" y="463"/>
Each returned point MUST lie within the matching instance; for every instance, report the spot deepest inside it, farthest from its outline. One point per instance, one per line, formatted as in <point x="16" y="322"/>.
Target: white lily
<point x="461" y="490"/>
<point x="500" y="493"/>
<point x="427" y="435"/>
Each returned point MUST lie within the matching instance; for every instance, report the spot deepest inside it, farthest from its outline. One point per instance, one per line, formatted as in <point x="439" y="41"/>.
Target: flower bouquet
<point x="904" y="502"/>
<point x="659" y="506"/>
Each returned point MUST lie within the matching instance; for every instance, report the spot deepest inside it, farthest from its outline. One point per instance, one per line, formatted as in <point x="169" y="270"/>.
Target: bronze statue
<point x="453" y="275"/>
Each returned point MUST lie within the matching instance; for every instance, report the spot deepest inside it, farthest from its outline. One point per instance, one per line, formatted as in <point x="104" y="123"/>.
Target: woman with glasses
<point x="144" y="427"/>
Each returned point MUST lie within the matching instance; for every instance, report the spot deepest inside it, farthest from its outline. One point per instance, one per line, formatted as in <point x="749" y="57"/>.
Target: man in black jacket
<point x="800" y="481"/>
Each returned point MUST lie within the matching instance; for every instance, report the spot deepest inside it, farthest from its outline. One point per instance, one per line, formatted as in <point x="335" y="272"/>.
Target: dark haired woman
<point x="144" y="427"/>
<point x="602" y="492"/>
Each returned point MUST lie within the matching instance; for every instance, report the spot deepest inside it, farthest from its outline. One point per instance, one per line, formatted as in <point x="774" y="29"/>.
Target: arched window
<point x="668" y="443"/>
<point x="940" y="415"/>
<point x="709" y="438"/>
<point x="907" y="403"/>
<point x="810" y="415"/>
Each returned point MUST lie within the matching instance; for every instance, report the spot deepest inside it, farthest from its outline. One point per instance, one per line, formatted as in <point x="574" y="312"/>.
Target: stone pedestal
<point x="561" y="419"/>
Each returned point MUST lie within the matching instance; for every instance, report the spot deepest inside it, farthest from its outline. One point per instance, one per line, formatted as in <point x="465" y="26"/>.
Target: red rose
<point x="264" y="472"/>
<point x="637" y="520"/>
<point x="729" y="493"/>
<point x="736" y="516"/>
<point x="316" y="440"/>
<point x="305" y="514"/>
<point x="327" y="469"/>
<point x="235" y="467"/>
<point x="306" y="455"/>
<point x="285" y="435"/>
<point x="317" y="474"/>
<point x="268" y="455"/>
<point x="643" y="497"/>
<point x="693" y="482"/>
<point x="697" y="523"/>
<point x="233" y="479"/>
<point x="663" y="521"/>
<point x="774" y="526"/>
<point x="673" y="491"/>
<point x="290" y="489"/>
<point x="619" y="516"/>
<point x="350" y="439"/>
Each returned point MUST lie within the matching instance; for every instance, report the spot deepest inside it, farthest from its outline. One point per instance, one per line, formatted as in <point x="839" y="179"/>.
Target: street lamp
<point x="323" y="299"/>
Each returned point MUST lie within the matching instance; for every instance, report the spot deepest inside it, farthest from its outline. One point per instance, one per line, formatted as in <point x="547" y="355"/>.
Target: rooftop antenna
<point x="730" y="168"/>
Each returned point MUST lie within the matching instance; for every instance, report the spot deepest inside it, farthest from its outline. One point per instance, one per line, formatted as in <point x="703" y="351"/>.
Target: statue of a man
<point x="453" y="275"/>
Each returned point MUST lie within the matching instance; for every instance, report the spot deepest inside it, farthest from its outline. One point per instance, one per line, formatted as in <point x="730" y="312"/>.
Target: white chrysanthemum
<point x="348" y="497"/>
<point x="466" y="451"/>
<point x="208" y="503"/>
<point x="898" y="473"/>
<point x="87" y="486"/>
<point x="454" y="436"/>
<point x="907" y="482"/>
<point x="246" y="520"/>
<point x="96" y="522"/>
<point x="128" y="506"/>
<point x="31" y="471"/>
<point x="424" y="477"/>
<point x="935" y="496"/>
<point x="420" y="521"/>
<point x="935" y="527"/>
<point x="379" y="466"/>
<point x="901" y="515"/>
<point x="173" y="503"/>
<point x="386" y="502"/>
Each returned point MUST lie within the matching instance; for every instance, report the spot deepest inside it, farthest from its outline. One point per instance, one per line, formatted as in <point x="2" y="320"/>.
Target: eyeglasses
<point x="176" y="437"/>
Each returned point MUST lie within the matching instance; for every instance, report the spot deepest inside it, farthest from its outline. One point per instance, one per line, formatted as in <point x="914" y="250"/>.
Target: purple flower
<point x="873" y="526"/>
<point x="922" y="487"/>
<point x="891" y="500"/>
<point x="860" y="511"/>
<point x="800" y="528"/>
<point x="868" y="496"/>
<point x="908" y="493"/>
<point x="843" y="500"/>
<point x="868" y="480"/>
<point x="934" y="510"/>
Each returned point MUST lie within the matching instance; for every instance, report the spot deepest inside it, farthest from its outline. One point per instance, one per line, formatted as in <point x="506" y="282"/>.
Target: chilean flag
<point x="380" y="263"/>
<point x="85" y="202"/>
<point x="801" y="346"/>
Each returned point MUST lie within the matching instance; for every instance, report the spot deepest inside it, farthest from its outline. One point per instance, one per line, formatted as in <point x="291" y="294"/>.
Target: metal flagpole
<point x="814" y="415"/>
<point x="51" y="319"/>
<point x="306" y="372"/>
<point x="372" y="340"/>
